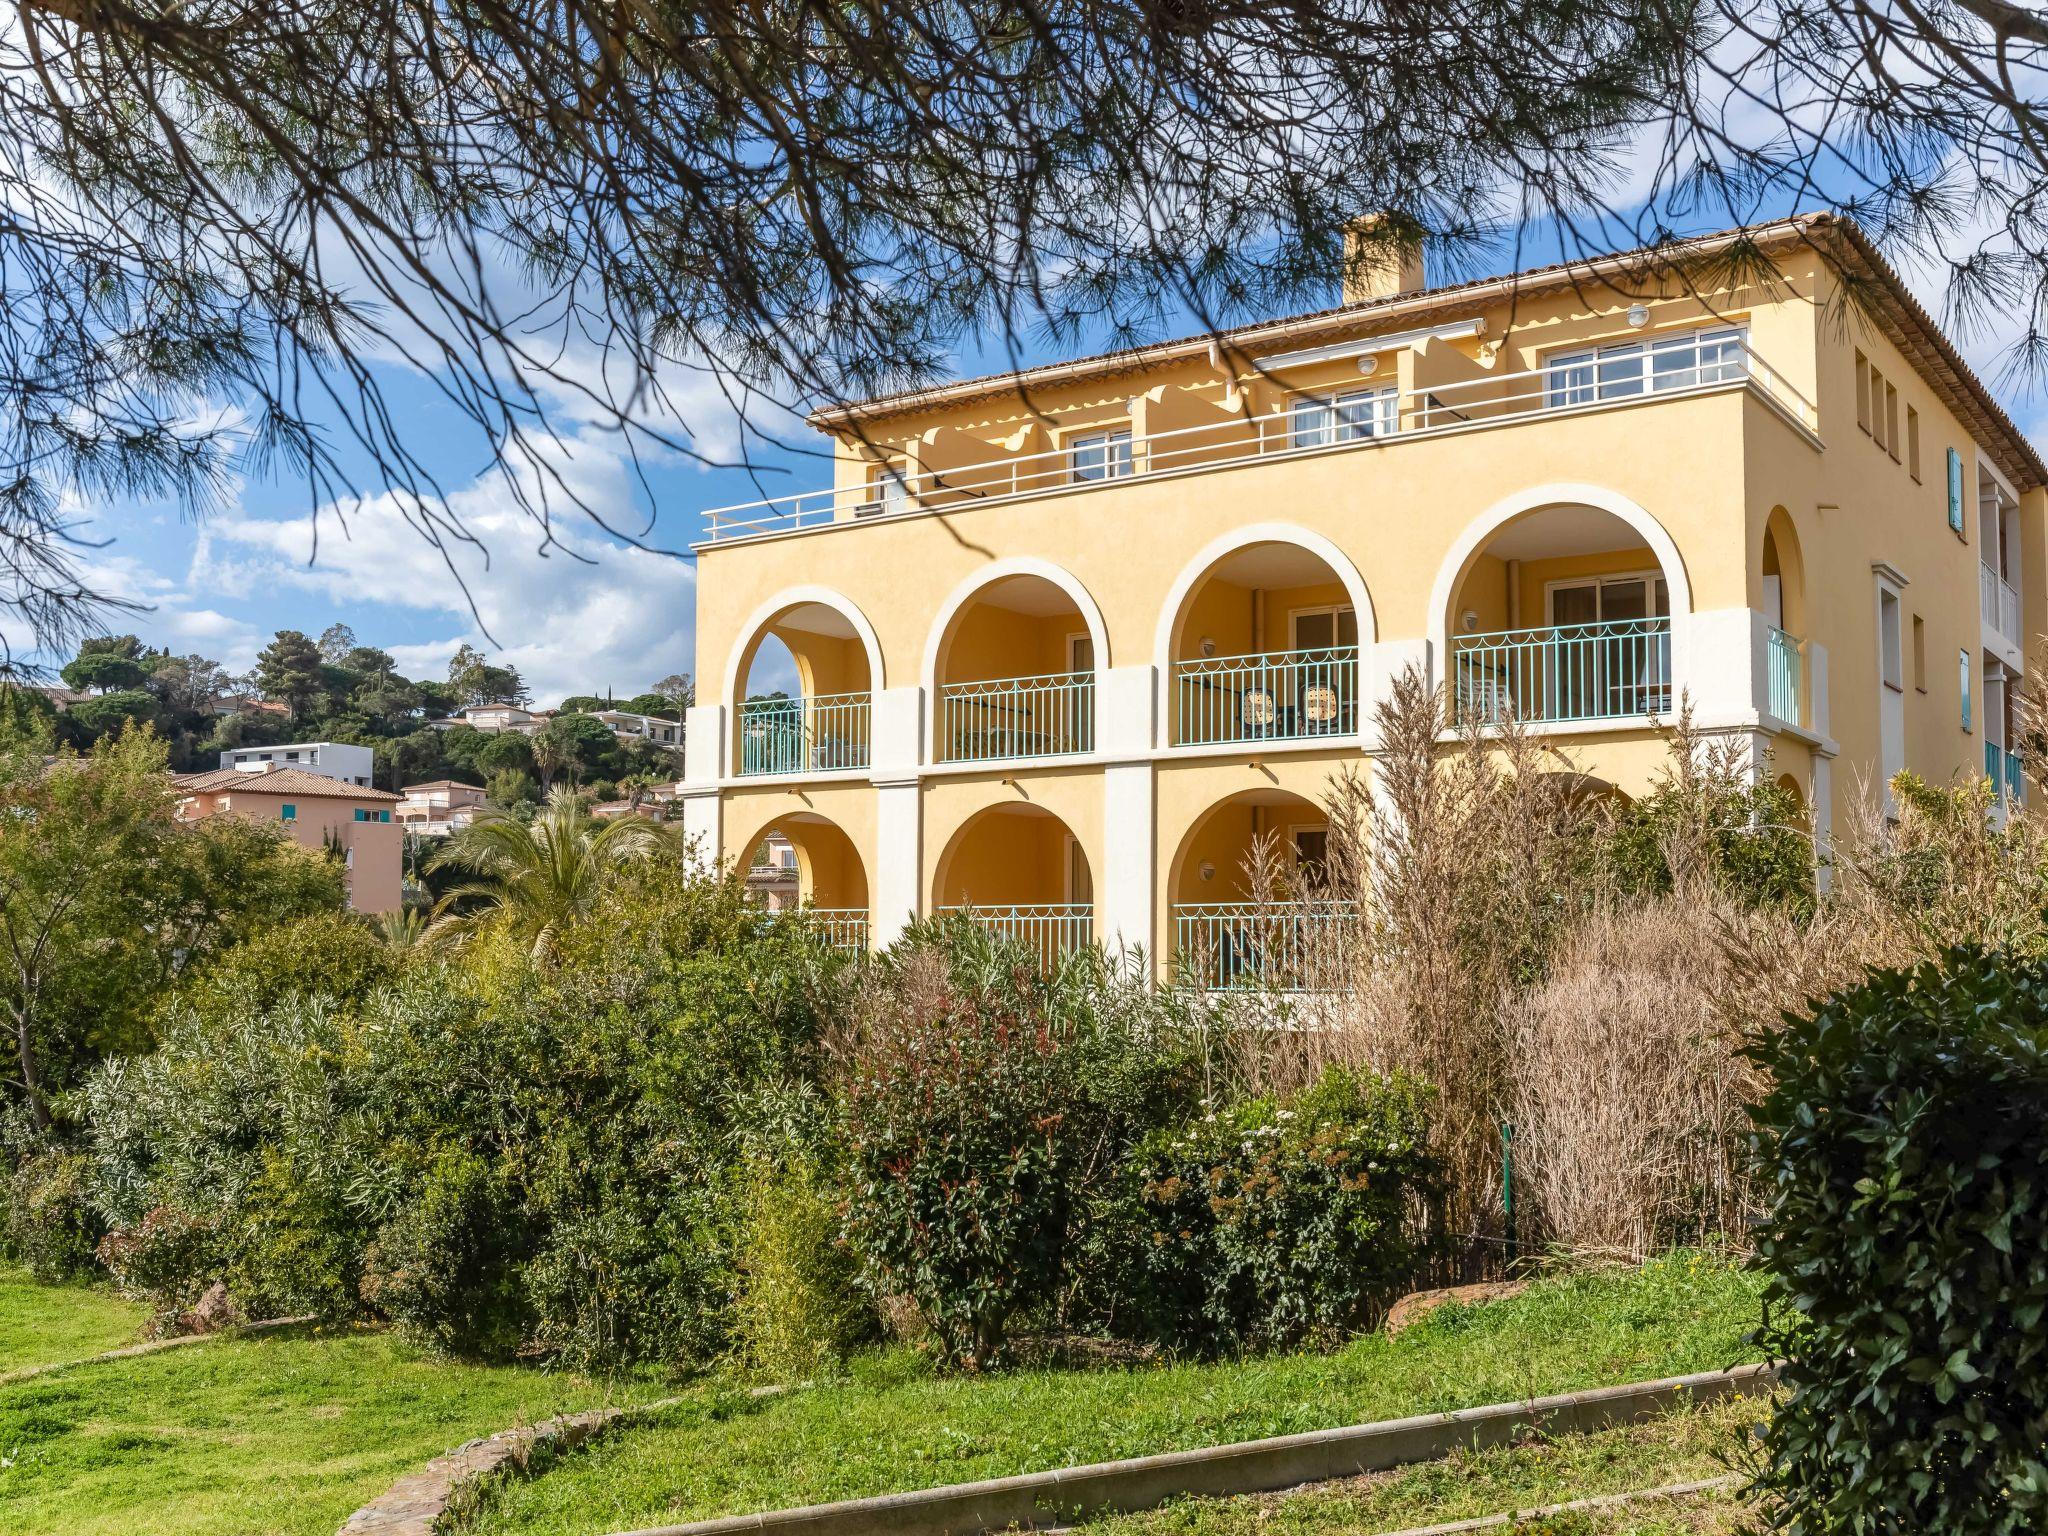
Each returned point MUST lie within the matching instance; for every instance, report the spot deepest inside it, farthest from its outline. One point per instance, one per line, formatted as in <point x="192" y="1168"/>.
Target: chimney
<point x="1382" y="258"/>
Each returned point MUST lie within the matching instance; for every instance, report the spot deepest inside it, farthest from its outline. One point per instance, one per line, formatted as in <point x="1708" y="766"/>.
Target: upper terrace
<point x="1366" y="394"/>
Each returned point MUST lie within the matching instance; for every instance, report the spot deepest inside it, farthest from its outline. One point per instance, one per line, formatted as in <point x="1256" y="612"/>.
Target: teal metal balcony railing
<point x="1278" y="696"/>
<point x="1048" y="716"/>
<point x="1049" y="930"/>
<point x="1614" y="671"/>
<point x="1784" y="674"/>
<point x="814" y="735"/>
<point x="1280" y="946"/>
<point x="840" y="927"/>
<point x="2002" y="768"/>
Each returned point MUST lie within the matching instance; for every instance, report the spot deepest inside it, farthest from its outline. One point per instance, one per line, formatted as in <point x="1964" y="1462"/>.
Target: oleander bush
<point x="986" y="1111"/>
<point x="1903" y="1153"/>
<point x="51" y="1227"/>
<point x="1270" y="1223"/>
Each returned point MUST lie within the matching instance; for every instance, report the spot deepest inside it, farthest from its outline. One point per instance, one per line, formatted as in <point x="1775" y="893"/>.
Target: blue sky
<point x="617" y="619"/>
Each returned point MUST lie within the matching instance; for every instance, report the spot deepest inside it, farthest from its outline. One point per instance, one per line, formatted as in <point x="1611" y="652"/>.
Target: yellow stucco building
<point x="1069" y="642"/>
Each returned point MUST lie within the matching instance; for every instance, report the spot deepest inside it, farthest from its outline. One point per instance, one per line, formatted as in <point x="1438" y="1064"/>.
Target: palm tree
<point x="551" y="755"/>
<point x="538" y="877"/>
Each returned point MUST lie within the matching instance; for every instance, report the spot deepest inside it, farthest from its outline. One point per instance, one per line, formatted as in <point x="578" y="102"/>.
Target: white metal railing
<point x="1279" y="696"/>
<point x="1280" y="946"/>
<point x="1566" y="672"/>
<point x="1998" y="603"/>
<point x="1048" y="930"/>
<point x="840" y="927"/>
<point x="1235" y="439"/>
<point x="1052" y="715"/>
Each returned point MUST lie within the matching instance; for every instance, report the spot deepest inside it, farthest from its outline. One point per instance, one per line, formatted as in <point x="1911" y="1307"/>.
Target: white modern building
<point x="330" y="759"/>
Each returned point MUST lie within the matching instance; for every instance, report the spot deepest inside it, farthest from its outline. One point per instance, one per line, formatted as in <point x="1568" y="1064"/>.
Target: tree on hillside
<point x="336" y="641"/>
<point x="589" y="750"/>
<point x="473" y="680"/>
<point x="103" y="672"/>
<point x="679" y="689"/>
<point x="535" y="878"/>
<point x="289" y="671"/>
<point x="555" y="212"/>
<point x="109" y="895"/>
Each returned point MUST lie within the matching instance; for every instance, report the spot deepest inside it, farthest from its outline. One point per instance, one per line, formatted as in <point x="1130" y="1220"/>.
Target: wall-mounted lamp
<point x="1208" y="870"/>
<point x="1368" y="365"/>
<point x="1208" y="645"/>
<point x="1638" y="315"/>
<point x="1470" y="619"/>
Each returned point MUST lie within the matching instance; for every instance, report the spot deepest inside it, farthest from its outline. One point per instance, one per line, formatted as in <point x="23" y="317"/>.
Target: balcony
<point x="1051" y="715"/>
<point x="840" y="927"/>
<point x="1050" y="930"/>
<point x="1565" y="387"/>
<point x="820" y="734"/>
<point x="2008" y="779"/>
<point x="1619" y="670"/>
<point x="1279" y="696"/>
<point x="1278" y="946"/>
<point x="1784" y="675"/>
<point x="1999" y="605"/>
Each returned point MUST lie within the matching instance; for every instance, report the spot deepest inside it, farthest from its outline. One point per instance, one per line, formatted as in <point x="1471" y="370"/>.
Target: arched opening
<point x="804" y="860"/>
<point x="1018" y="869"/>
<point x="1013" y="667"/>
<point x="1253" y="899"/>
<point x="803" y="691"/>
<point x="1784" y="600"/>
<point x="1561" y="614"/>
<point x="1264" y="646"/>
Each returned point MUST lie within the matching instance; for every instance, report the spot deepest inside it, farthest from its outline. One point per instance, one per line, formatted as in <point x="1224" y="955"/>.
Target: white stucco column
<point x="1717" y="661"/>
<point x="896" y="893"/>
<point x="1127" y="876"/>
<point x="703" y="768"/>
<point x="896" y="885"/>
<point x="1382" y="666"/>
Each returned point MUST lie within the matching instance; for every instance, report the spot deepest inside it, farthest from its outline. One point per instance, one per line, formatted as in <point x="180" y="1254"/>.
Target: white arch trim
<point x="1563" y="494"/>
<point x="1002" y="570"/>
<point x="1243" y="538"/>
<point x="782" y="602"/>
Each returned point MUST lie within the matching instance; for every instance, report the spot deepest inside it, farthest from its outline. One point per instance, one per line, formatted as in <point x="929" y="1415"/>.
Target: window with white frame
<point x="889" y="490"/>
<point x="1101" y="455"/>
<point x="1890" y="662"/>
<point x="1317" y="421"/>
<point x="1630" y="368"/>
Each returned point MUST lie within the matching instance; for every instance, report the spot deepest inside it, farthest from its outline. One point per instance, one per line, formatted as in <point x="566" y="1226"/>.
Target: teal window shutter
<point x="1955" y="491"/>
<point x="291" y="812"/>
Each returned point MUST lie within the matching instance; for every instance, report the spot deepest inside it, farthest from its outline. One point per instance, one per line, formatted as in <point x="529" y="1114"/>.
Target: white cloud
<point x="573" y="610"/>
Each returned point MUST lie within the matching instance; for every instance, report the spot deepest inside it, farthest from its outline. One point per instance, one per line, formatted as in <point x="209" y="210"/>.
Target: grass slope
<point x="48" y="1324"/>
<point x="1683" y="1448"/>
<point x="718" y="1453"/>
<point x="279" y="1435"/>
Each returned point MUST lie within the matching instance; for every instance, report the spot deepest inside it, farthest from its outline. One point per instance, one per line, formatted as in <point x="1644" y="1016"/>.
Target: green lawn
<point x="278" y="1435"/>
<point x="44" y="1325"/>
<point x="892" y="1428"/>
<point x="1683" y="1448"/>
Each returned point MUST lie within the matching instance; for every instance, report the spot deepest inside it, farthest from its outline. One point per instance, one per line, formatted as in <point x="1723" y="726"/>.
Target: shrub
<point x="987" y="1110"/>
<point x="960" y="1173"/>
<point x="1264" y="1224"/>
<point x="334" y="955"/>
<point x="52" y="1228"/>
<point x="1903" y="1148"/>
<point x="800" y="1310"/>
<point x="446" y="1267"/>
<point x="164" y="1259"/>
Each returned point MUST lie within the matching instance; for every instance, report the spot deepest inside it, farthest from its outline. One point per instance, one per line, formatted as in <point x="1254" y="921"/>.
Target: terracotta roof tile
<point x="279" y="781"/>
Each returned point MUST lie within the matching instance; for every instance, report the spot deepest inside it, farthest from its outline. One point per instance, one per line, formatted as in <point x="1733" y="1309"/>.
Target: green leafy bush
<point x="1903" y="1148"/>
<point x="1267" y="1224"/>
<point x="497" y="1152"/>
<point x="800" y="1310"/>
<point x="52" y="1228"/>
<point x="987" y="1109"/>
